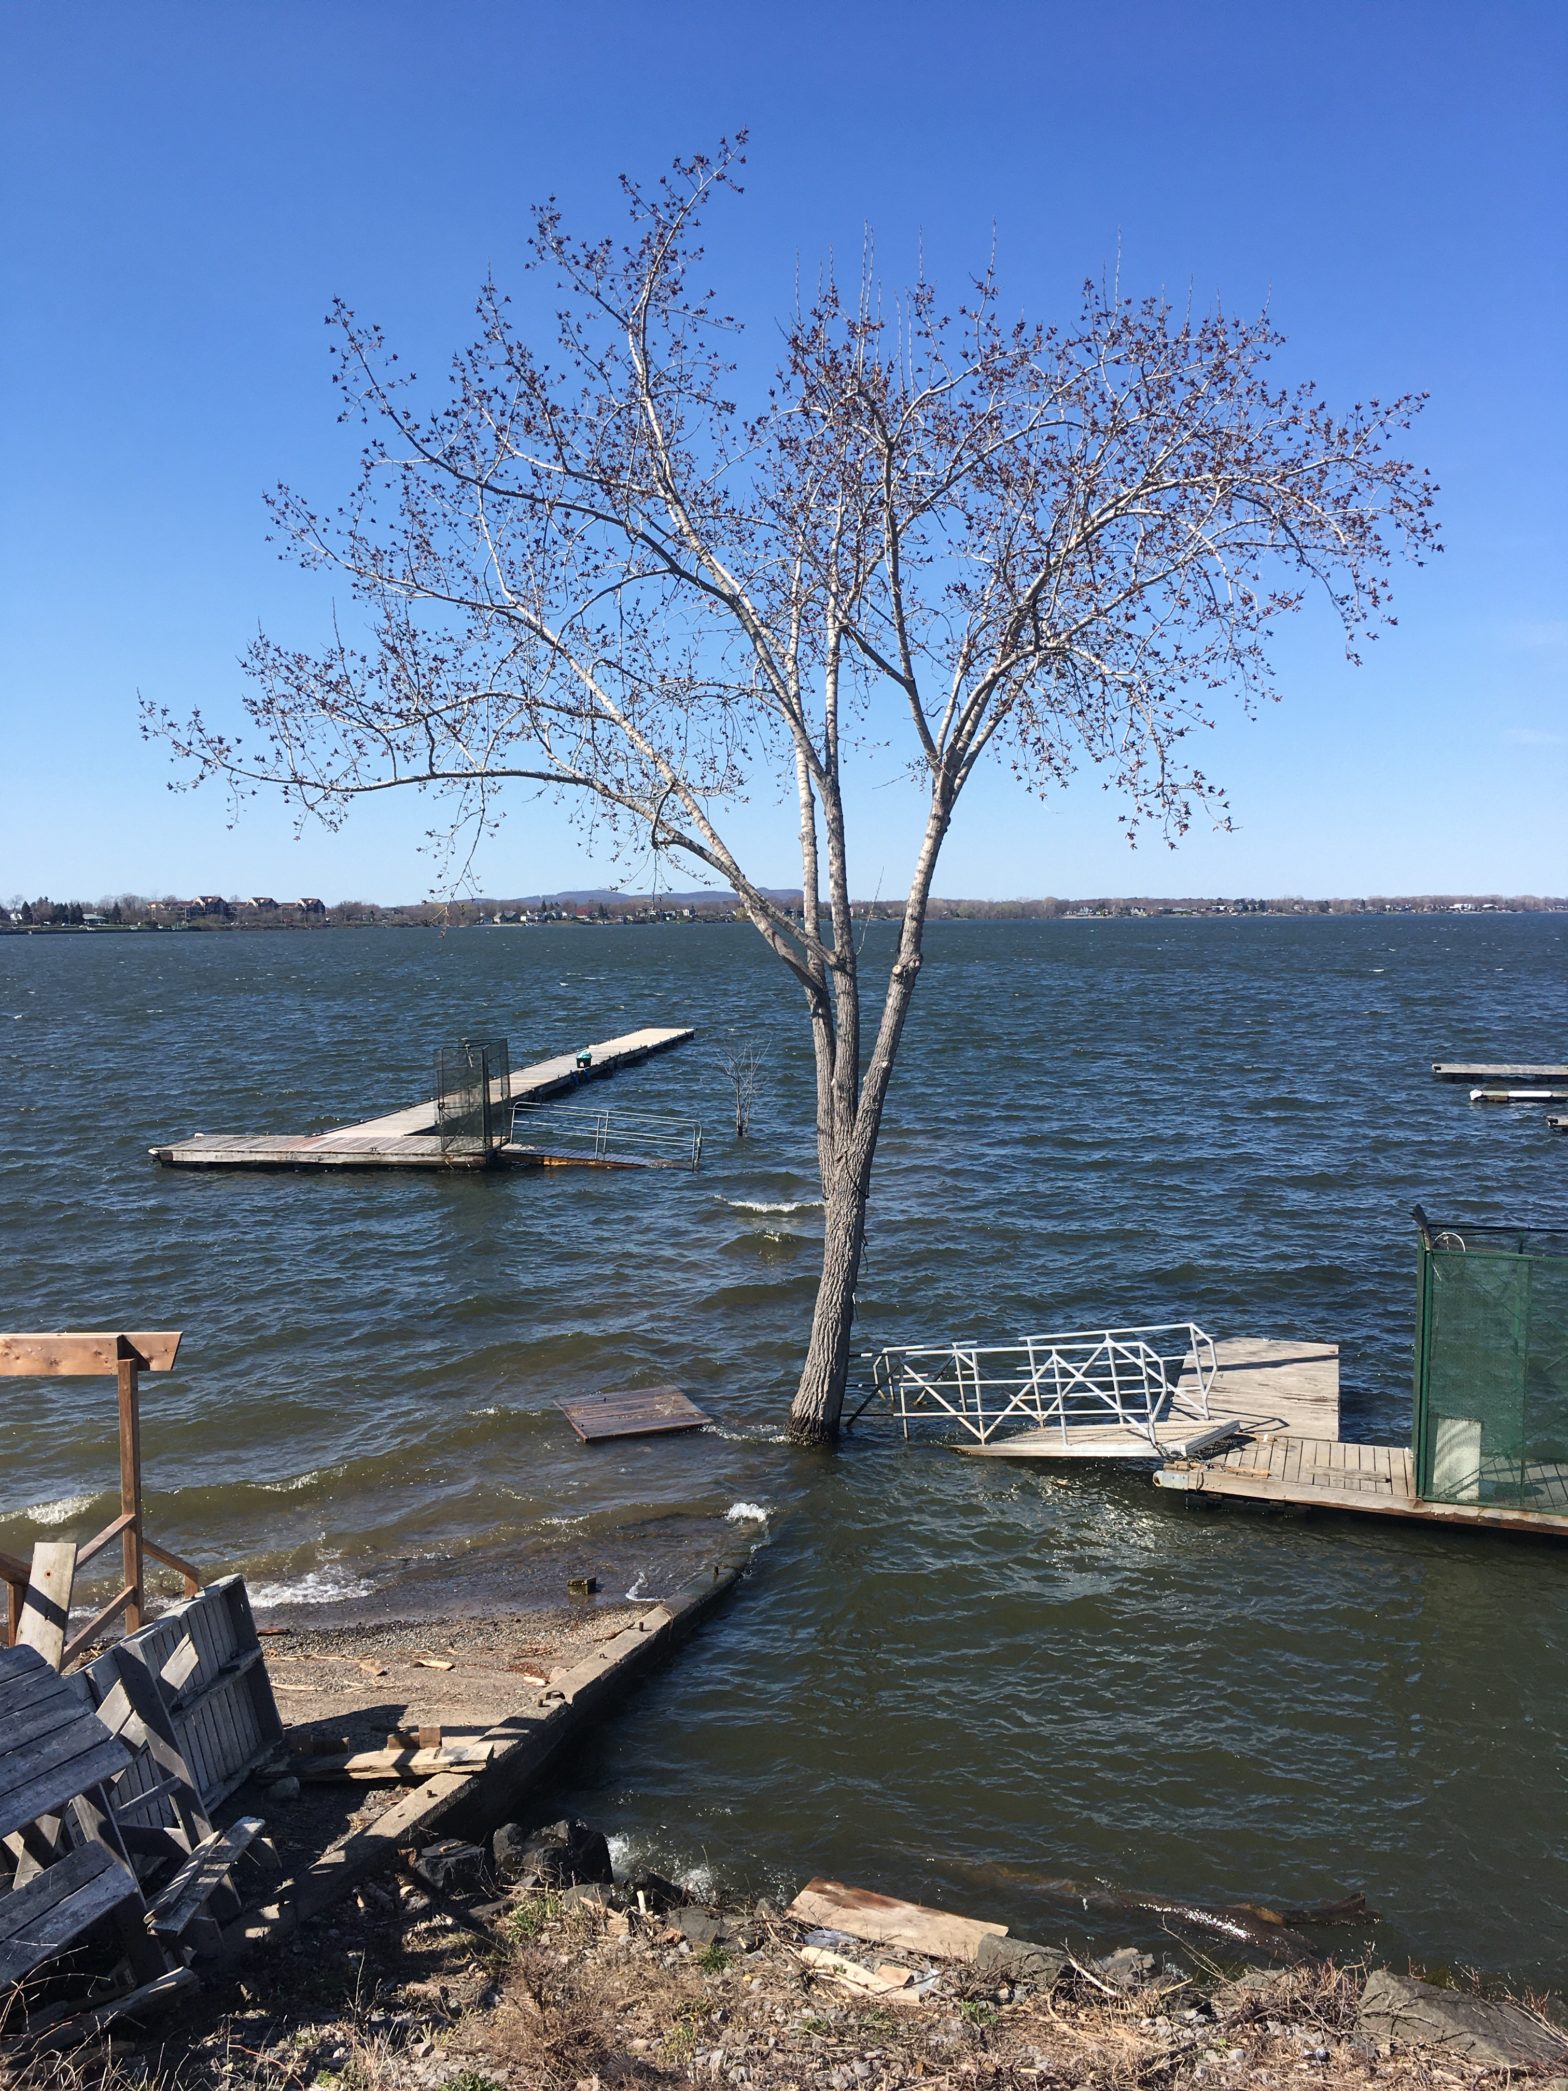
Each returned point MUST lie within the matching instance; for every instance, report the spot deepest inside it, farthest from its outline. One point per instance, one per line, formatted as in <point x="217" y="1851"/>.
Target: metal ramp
<point x="558" y="1135"/>
<point x="1136" y="1393"/>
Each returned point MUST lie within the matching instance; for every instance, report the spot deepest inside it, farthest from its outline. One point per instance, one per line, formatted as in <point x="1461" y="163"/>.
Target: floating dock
<point x="1512" y="1074"/>
<point x="408" y="1139"/>
<point x="639" y="1413"/>
<point x="1260" y="1385"/>
<point x="1329" y="1474"/>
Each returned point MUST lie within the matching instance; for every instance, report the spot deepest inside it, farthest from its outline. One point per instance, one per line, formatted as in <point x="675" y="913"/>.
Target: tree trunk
<point x="814" y="1412"/>
<point x="849" y="1120"/>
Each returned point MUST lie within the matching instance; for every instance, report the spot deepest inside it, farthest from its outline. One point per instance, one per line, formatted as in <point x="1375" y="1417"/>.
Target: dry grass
<point x="569" y="1999"/>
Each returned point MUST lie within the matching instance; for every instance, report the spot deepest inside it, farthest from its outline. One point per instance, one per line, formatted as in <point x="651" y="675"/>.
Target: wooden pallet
<point x="223" y="1713"/>
<point x="56" y="1769"/>
<point x="640" y="1412"/>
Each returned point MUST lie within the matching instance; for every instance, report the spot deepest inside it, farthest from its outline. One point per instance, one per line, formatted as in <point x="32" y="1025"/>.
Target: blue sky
<point x="186" y="186"/>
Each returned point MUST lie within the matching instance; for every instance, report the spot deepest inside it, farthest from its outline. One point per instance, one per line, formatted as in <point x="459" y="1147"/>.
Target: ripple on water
<point x="942" y="1679"/>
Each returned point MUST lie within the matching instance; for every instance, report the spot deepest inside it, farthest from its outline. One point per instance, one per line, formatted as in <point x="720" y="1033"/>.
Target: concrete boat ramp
<point x="409" y="1139"/>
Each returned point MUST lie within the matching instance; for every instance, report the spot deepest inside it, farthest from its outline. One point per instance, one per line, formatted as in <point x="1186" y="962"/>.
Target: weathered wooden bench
<point x="59" y="1760"/>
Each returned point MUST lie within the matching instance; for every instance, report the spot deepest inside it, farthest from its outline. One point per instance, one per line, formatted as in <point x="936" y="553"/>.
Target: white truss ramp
<point x="1138" y="1393"/>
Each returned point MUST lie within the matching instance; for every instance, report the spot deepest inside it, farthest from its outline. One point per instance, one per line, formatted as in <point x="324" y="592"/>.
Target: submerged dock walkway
<point x="408" y="1139"/>
<point x="1332" y="1474"/>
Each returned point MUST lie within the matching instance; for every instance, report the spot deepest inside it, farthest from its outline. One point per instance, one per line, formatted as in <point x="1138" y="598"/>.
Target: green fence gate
<point x="1491" y="1394"/>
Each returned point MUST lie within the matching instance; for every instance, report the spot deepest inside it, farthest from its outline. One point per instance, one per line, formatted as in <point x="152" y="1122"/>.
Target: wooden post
<point x="127" y="1369"/>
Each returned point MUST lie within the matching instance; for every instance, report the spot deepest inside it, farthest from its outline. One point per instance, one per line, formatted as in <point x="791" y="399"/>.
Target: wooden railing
<point x="77" y="1353"/>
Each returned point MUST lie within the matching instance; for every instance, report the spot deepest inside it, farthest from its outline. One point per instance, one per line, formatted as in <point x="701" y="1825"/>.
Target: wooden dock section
<point x="1510" y="1074"/>
<point x="1181" y="1438"/>
<point x="1270" y="1384"/>
<point x="407" y="1139"/>
<point x="1330" y="1474"/>
<point x="640" y="1412"/>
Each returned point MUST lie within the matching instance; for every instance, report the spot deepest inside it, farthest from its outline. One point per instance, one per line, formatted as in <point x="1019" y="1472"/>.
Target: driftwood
<point x="1255" y="1925"/>
<point x="884" y="1920"/>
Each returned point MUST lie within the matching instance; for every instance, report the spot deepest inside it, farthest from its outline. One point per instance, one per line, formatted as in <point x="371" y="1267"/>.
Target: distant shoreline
<point x="606" y="915"/>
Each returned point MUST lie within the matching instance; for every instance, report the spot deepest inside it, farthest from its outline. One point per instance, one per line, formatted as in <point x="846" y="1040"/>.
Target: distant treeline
<point x="211" y="912"/>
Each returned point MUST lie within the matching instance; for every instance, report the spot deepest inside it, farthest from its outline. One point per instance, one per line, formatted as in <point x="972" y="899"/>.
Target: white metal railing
<point x="1075" y="1380"/>
<point x="595" y="1132"/>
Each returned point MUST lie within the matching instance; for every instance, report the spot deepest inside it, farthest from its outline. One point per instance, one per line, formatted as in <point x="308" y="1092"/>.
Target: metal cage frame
<point x="1077" y="1379"/>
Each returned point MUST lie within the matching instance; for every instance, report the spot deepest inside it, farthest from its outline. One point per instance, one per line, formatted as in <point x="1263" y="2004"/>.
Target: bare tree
<point x="587" y="567"/>
<point x="742" y="1067"/>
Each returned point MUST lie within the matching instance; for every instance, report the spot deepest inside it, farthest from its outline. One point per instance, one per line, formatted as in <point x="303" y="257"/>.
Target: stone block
<point x="1398" y="2011"/>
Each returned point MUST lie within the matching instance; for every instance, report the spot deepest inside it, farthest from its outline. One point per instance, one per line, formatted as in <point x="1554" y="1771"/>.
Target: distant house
<point x="259" y="902"/>
<point x="311" y="906"/>
<point x="213" y="904"/>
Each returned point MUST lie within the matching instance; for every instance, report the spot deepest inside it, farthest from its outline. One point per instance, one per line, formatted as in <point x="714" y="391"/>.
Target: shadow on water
<point x="944" y="1678"/>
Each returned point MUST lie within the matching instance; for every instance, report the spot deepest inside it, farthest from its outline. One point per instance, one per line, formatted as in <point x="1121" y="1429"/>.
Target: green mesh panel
<point x="1492" y="1367"/>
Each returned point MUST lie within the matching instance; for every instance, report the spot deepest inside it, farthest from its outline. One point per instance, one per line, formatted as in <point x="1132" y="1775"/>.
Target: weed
<point x="470" y="2080"/>
<point x="532" y="1914"/>
<point x="713" y="1960"/>
<point x="978" y="2011"/>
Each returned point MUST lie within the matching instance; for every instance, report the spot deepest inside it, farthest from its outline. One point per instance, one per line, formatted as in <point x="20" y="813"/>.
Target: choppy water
<point x="945" y="1678"/>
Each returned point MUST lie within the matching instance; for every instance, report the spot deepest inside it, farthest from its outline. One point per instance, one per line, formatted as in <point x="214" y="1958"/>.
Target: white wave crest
<point x="318" y="1586"/>
<point x="746" y="1514"/>
<point x="61" y="1511"/>
<point x="284" y="1488"/>
<point x="772" y="1204"/>
<point x="635" y="1594"/>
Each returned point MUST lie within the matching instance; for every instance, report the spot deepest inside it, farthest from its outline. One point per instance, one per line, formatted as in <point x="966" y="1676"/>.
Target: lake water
<point x="948" y="1679"/>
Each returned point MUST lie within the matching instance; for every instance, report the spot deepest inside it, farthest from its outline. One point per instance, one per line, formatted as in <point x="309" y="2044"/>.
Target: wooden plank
<point x="1179" y="1439"/>
<point x="266" y="1723"/>
<point x="87" y="1633"/>
<point x="885" y="1921"/>
<point x="400" y="1762"/>
<point x="45" y="1716"/>
<point x="66" y="2026"/>
<point x="636" y="1412"/>
<point x="46" y="1602"/>
<point x="64" y="1877"/>
<point x="60" y="1782"/>
<point x="62" y="1902"/>
<point x="205" y="1872"/>
<point x="65" y="1354"/>
<point x="23" y="1681"/>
